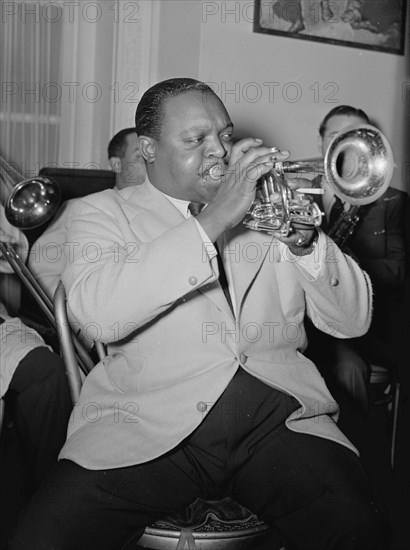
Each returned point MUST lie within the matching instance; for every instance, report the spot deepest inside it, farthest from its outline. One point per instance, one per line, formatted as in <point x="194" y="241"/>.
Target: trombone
<point x="30" y="204"/>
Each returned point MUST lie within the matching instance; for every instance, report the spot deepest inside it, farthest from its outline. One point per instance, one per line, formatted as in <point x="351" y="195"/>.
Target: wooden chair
<point x="218" y="525"/>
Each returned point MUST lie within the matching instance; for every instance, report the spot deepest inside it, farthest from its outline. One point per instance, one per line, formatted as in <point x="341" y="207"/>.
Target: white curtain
<point x="30" y="46"/>
<point x="55" y="57"/>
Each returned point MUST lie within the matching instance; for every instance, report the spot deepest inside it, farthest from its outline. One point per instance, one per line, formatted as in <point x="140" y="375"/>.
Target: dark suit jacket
<point x="380" y="244"/>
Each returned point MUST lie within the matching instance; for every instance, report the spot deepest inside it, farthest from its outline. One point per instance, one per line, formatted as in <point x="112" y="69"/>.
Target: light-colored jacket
<point x="16" y="338"/>
<point x="50" y="252"/>
<point x="16" y="341"/>
<point x="47" y="257"/>
<point x="142" y="281"/>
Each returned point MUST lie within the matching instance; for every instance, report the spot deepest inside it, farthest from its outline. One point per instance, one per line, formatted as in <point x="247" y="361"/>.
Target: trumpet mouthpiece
<point x="216" y="172"/>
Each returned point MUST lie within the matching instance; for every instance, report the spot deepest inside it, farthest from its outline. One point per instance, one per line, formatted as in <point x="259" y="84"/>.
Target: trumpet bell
<point x="33" y="202"/>
<point x="359" y="164"/>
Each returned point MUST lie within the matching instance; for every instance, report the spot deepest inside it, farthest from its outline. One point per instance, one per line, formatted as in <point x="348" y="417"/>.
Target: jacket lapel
<point x="245" y="252"/>
<point x="140" y="204"/>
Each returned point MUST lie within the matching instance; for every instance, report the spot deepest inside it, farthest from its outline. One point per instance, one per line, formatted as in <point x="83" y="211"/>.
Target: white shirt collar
<point x="180" y="204"/>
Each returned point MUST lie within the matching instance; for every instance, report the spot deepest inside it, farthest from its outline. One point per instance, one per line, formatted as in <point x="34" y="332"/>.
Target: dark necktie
<point x="195" y="208"/>
<point x="335" y="212"/>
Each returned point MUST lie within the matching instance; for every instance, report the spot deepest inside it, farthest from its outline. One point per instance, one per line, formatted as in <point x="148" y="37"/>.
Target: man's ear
<point x="147" y="146"/>
<point x="319" y="143"/>
<point x="115" y="164"/>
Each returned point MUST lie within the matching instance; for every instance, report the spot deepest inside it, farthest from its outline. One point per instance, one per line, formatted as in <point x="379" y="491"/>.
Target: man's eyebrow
<point x="203" y="128"/>
<point x="196" y="128"/>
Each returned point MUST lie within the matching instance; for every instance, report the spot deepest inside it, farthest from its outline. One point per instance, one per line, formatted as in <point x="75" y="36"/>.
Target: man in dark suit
<point x="378" y="243"/>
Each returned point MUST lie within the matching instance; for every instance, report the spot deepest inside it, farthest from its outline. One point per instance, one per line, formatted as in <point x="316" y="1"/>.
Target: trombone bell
<point x="359" y="164"/>
<point x="33" y="202"/>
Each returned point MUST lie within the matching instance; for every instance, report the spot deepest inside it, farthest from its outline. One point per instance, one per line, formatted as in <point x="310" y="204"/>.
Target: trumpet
<point x="358" y="166"/>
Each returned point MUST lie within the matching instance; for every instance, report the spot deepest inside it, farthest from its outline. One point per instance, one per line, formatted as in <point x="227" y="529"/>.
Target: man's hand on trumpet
<point x="230" y="180"/>
<point x="302" y="239"/>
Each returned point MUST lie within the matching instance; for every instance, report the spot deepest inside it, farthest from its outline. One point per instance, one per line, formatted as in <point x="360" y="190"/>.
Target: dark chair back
<point x="78" y="182"/>
<point x="74" y="183"/>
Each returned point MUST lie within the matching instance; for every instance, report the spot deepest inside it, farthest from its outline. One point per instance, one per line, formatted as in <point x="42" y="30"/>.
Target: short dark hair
<point x="346" y="110"/>
<point x="150" y="111"/>
<point x="116" y="147"/>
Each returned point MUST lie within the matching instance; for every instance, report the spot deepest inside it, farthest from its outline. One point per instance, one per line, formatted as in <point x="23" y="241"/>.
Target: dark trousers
<point x="313" y="490"/>
<point x="41" y="405"/>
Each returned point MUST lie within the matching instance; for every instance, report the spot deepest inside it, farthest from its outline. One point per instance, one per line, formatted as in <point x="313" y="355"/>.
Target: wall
<point x="279" y="88"/>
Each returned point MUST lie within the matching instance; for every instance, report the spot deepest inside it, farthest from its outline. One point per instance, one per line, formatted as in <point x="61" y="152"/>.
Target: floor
<point x="393" y="486"/>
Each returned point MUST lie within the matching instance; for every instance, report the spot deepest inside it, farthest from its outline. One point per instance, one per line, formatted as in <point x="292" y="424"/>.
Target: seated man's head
<point x="334" y="122"/>
<point x="338" y="119"/>
<point x="184" y="131"/>
<point x="125" y="159"/>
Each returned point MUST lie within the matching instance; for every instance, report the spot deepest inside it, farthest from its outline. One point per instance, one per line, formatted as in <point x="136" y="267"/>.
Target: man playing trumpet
<point x="183" y="358"/>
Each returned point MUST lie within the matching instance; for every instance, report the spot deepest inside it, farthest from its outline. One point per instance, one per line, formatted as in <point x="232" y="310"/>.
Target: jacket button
<point x="242" y="359"/>
<point x="192" y="281"/>
<point x="334" y="281"/>
<point x="201" y="406"/>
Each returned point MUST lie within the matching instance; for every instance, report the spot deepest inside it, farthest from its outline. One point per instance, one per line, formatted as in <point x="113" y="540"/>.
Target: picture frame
<point x="377" y="25"/>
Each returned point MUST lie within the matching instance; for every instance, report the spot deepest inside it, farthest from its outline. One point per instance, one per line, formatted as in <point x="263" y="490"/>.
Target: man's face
<point x="334" y="125"/>
<point x="196" y="134"/>
<point x="132" y="167"/>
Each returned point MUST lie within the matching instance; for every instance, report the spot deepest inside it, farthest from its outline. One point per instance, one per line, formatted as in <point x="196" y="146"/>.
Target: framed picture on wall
<point x="371" y="24"/>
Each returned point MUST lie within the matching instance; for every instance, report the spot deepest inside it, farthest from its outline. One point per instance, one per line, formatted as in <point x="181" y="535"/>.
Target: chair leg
<point x="2" y="415"/>
<point x="395" y="415"/>
<point x="2" y="424"/>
